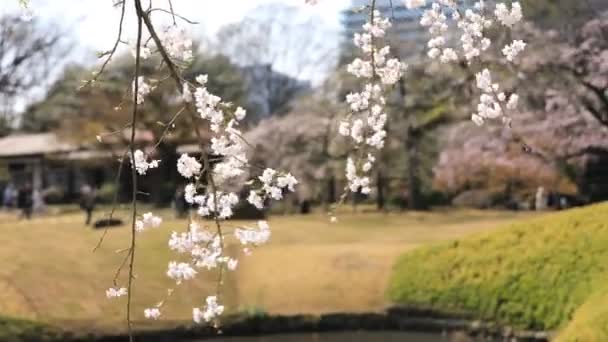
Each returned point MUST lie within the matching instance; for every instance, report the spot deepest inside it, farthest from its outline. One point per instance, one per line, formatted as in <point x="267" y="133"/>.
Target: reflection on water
<point x="361" y="336"/>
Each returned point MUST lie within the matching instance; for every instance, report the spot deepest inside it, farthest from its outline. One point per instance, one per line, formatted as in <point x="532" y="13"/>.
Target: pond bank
<point x="394" y="319"/>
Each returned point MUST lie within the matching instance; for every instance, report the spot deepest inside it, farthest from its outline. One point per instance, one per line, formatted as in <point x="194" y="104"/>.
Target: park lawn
<point x="49" y="273"/>
<point x="543" y="273"/>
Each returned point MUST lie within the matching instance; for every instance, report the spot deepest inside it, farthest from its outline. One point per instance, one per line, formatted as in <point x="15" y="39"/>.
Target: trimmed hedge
<point x="532" y="275"/>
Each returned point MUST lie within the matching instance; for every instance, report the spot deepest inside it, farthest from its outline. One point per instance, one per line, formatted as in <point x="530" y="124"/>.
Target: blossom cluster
<point x="365" y="124"/>
<point x="272" y="186"/>
<point x="152" y="313"/>
<point x="113" y="292"/>
<point x="209" y="181"/>
<point x="492" y="103"/>
<point x="188" y="166"/>
<point x="143" y="89"/>
<point x="254" y="237"/>
<point x="148" y="220"/>
<point x="212" y="309"/>
<point x="211" y="176"/>
<point x="174" y="39"/>
<point x="177" y="43"/>
<point x="140" y="161"/>
<point x="474" y="24"/>
<point x="207" y="192"/>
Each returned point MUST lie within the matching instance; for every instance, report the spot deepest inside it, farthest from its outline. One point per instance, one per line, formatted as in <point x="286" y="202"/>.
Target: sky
<point x="94" y="23"/>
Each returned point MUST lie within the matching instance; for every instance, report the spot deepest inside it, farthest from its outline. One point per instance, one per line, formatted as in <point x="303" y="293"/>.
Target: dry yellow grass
<point x="48" y="271"/>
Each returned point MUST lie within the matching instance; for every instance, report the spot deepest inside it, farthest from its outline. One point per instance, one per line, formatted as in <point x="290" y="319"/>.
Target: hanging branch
<point x="133" y="176"/>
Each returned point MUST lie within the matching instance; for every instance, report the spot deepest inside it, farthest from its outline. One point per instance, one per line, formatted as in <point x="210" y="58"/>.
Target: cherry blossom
<point x="152" y="313"/>
<point x="141" y="163"/>
<point x="116" y="292"/>
<point x="365" y="124"/>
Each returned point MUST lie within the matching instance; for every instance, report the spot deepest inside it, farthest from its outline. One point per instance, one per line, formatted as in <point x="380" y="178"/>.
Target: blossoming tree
<point x="457" y="33"/>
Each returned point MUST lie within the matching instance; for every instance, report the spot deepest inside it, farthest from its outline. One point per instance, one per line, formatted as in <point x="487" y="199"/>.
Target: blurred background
<point x="461" y="219"/>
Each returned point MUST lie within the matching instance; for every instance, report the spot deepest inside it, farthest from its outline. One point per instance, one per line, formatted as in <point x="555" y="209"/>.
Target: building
<point x="271" y="91"/>
<point x="46" y="162"/>
<point x="58" y="168"/>
<point x="406" y="22"/>
<point x="408" y="38"/>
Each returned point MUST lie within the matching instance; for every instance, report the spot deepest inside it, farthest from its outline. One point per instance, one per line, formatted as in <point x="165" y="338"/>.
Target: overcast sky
<point x="94" y="23"/>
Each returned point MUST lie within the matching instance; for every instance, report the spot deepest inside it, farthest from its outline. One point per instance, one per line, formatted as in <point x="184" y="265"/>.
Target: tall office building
<point x="406" y="22"/>
<point x="406" y="35"/>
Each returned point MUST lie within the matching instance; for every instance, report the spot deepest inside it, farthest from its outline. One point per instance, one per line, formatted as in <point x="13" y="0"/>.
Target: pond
<point x="358" y="336"/>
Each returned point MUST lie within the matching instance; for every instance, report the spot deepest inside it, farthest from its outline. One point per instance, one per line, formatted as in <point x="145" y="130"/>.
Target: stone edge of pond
<point x="404" y="319"/>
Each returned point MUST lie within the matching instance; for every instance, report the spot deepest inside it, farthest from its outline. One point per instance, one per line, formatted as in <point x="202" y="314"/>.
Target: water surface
<point x="362" y="336"/>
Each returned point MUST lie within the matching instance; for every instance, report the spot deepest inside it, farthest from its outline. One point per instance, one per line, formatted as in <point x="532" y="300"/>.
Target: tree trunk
<point x="380" y="187"/>
<point x="331" y="190"/>
<point x="413" y="178"/>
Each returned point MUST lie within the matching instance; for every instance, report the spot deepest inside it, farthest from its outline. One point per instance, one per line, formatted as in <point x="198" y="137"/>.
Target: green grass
<point x="18" y="330"/>
<point x="541" y="273"/>
<point x="49" y="273"/>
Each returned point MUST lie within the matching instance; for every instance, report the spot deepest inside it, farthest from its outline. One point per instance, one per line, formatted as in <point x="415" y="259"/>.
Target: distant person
<point x="179" y="202"/>
<point x="38" y="204"/>
<point x="9" y="195"/>
<point x="25" y="201"/>
<point x="87" y="201"/>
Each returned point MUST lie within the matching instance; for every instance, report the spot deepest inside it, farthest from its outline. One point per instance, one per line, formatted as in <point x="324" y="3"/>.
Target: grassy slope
<point x="49" y="273"/>
<point x="17" y="330"/>
<point x="533" y="274"/>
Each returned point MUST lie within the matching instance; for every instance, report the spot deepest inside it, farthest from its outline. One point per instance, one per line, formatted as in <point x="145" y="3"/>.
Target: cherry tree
<point x="201" y="246"/>
<point x="565" y="124"/>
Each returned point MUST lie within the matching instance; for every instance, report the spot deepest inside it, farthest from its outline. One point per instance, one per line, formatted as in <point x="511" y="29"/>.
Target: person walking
<point x="87" y="201"/>
<point x="25" y="201"/>
<point x="179" y="202"/>
<point x="38" y="204"/>
<point x="9" y="195"/>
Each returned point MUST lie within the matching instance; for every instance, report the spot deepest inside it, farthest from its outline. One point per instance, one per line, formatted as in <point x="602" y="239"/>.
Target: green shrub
<point x="53" y="195"/>
<point x="105" y="194"/>
<point x="18" y="330"/>
<point x="534" y="274"/>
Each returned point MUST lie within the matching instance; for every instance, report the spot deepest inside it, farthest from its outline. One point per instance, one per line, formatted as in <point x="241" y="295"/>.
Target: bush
<point x="105" y="194"/>
<point x="53" y="195"/>
<point x="480" y="199"/>
<point x="20" y="330"/>
<point x="246" y="211"/>
<point x="534" y="274"/>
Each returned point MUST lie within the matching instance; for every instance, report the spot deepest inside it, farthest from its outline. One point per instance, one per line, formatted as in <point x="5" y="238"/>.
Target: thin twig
<point x="112" y="51"/>
<point x="114" y="201"/>
<point x="133" y="170"/>
<point x="174" y="15"/>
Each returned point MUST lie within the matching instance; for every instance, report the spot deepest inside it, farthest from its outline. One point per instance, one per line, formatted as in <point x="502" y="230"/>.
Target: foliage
<point x="223" y="159"/>
<point x="590" y="321"/>
<point x="81" y="115"/>
<point x="474" y="158"/>
<point x="20" y="330"/>
<point x="28" y="52"/>
<point x="564" y="125"/>
<point x="53" y="195"/>
<point x="563" y="15"/>
<point x="300" y="141"/>
<point x="106" y="192"/>
<point x="533" y="274"/>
